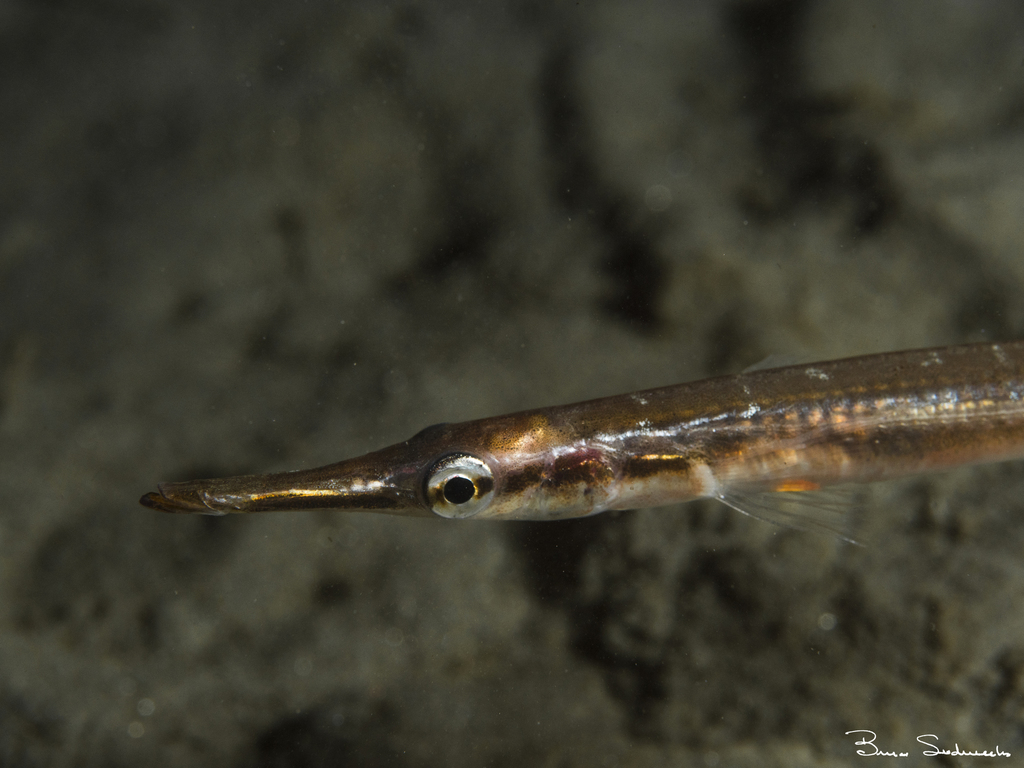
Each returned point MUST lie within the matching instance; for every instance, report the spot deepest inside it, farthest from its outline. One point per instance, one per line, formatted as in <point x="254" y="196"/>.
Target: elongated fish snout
<point x="375" y="482"/>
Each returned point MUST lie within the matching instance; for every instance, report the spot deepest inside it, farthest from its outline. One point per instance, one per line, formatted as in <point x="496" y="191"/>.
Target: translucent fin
<point x="775" y="361"/>
<point x="831" y="511"/>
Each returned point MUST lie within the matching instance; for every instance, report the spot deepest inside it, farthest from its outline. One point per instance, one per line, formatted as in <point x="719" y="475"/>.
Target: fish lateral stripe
<point x="796" y="486"/>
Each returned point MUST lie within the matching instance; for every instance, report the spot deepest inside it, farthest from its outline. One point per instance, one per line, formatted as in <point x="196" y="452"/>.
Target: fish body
<point x="785" y="430"/>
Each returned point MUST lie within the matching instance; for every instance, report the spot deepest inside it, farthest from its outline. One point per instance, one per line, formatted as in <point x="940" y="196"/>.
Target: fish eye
<point x="459" y="486"/>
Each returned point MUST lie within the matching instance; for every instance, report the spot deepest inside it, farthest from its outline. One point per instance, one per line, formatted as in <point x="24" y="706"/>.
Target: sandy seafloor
<point x="246" y="237"/>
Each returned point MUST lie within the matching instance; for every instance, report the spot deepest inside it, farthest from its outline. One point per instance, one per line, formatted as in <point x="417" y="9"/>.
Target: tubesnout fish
<point x="754" y="440"/>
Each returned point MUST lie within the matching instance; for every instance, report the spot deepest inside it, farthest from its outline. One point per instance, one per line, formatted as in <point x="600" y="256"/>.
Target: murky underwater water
<point x="269" y="238"/>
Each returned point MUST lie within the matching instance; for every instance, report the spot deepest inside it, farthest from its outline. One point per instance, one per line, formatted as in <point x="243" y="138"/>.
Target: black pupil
<point x="459" y="490"/>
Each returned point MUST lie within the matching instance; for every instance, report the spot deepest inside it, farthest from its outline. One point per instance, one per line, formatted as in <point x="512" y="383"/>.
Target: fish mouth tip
<point x="152" y="500"/>
<point x="161" y="503"/>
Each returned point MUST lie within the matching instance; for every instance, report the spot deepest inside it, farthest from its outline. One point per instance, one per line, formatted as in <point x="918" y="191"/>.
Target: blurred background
<point x="249" y="237"/>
